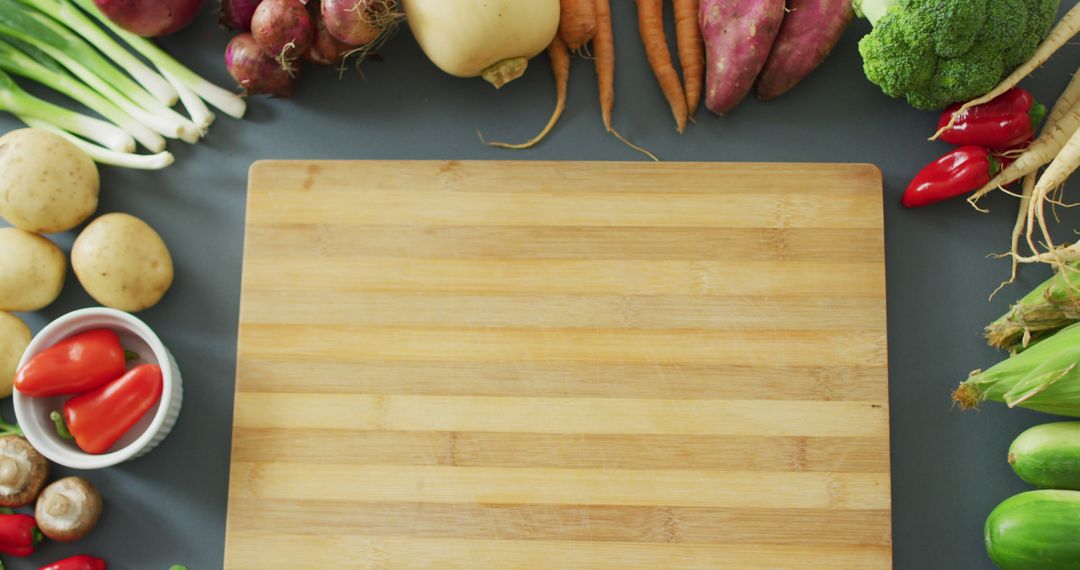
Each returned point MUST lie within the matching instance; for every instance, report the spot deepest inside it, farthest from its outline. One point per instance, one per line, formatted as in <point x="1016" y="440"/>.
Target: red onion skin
<point x="256" y="72"/>
<point x="236" y="14"/>
<point x="325" y="49"/>
<point x="347" y="24"/>
<point x="278" y="23"/>
<point x="151" y="18"/>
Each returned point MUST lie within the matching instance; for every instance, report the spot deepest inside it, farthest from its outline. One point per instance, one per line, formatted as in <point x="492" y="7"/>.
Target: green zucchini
<point x="1037" y="530"/>
<point x="1048" y="456"/>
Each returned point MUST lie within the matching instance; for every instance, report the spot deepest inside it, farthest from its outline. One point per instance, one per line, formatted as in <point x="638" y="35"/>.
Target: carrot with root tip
<point x="691" y="51"/>
<point x="604" y="59"/>
<point x="651" y="27"/>
<point x="1063" y="121"/>
<point x="560" y="68"/>
<point x="577" y="22"/>
<point x="1064" y="31"/>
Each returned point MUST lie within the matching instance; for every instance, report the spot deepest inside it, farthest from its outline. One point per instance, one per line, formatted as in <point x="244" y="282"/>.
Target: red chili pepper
<point x="1007" y="121"/>
<point x="963" y="170"/>
<point x="80" y="562"/>
<point x="74" y="365"/>
<point x="97" y="419"/>
<point x="19" y="534"/>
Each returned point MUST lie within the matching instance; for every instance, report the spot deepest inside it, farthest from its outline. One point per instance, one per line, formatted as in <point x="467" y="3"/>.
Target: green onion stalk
<point x="1052" y="305"/>
<point x="1045" y="377"/>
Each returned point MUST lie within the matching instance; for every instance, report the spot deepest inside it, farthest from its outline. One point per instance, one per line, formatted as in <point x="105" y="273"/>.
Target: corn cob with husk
<point x="1053" y="305"/>
<point x="1045" y="377"/>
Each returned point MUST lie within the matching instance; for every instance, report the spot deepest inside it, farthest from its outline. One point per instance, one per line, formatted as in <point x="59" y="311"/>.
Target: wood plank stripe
<point x="566" y="379"/>
<point x="594" y="243"/>
<point x="564" y="311"/>
<point x="248" y="551"/>
<point x="360" y="344"/>
<point x="574" y="451"/>
<point x="593" y="523"/>
<point x="266" y="270"/>
<point x="483" y="485"/>
<point x="564" y="178"/>
<point x="561" y="415"/>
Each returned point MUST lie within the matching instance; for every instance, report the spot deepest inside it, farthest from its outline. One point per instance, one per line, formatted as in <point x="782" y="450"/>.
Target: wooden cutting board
<point x="572" y="366"/>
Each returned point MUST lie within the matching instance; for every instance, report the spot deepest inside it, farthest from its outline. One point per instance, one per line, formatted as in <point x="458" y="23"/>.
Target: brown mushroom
<point x="22" y="472"/>
<point x="68" y="509"/>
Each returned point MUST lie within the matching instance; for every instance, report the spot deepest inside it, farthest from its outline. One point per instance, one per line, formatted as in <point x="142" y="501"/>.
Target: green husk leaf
<point x="1045" y="377"/>
<point x="1053" y="305"/>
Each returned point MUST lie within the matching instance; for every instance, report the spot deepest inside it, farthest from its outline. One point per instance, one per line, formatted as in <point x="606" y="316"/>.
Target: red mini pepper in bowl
<point x="80" y="562"/>
<point x="148" y="430"/>
<point x="74" y="365"/>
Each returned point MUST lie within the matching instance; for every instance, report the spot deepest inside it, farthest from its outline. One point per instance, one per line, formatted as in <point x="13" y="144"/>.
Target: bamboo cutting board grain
<point x="573" y="366"/>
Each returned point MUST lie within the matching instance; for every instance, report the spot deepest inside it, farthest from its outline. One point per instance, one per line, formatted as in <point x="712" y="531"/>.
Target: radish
<point x="236" y="14"/>
<point x="255" y="71"/>
<point x="150" y="18"/>
<point x="738" y="37"/>
<point x="282" y="28"/>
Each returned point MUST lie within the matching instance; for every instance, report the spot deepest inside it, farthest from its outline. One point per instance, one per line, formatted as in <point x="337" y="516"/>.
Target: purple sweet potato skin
<point x="810" y="30"/>
<point x="738" y="36"/>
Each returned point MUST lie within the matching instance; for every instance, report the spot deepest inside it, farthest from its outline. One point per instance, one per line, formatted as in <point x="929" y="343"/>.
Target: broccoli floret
<point x="937" y="52"/>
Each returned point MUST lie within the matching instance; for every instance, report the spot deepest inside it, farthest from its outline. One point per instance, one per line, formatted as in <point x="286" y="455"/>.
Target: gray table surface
<point x="949" y="467"/>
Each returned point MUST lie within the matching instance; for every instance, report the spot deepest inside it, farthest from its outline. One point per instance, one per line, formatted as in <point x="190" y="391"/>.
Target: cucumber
<point x="1037" y="530"/>
<point x="1048" y="456"/>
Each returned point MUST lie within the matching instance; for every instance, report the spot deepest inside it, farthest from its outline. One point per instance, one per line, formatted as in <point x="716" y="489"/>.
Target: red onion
<point x="236" y="14"/>
<point x="255" y="71"/>
<point x="283" y="29"/>
<point x="151" y="18"/>
<point x="350" y="21"/>
<point x="325" y="49"/>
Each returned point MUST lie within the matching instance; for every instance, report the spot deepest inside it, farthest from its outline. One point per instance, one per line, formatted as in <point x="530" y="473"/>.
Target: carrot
<point x="604" y="59"/>
<point x="1064" y="31"/>
<point x="577" y="22"/>
<point x="651" y="27"/>
<point x="691" y="51"/>
<point x="1063" y="121"/>
<point x="560" y="68"/>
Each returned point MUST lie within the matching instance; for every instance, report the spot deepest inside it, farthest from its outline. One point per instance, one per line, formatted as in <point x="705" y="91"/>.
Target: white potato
<point x="47" y="184"/>
<point x="32" y="271"/>
<point x="14" y="336"/>
<point x="122" y="262"/>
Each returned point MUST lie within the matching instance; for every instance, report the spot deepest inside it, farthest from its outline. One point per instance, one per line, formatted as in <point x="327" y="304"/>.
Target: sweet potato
<point x="810" y="30"/>
<point x="738" y="36"/>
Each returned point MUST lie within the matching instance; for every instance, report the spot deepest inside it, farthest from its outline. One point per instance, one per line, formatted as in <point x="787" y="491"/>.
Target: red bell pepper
<point x="19" y="534"/>
<point x="1007" y="121"/>
<point x="80" y="562"/>
<point x="98" y="418"/>
<point x="963" y="170"/>
<point x="74" y="365"/>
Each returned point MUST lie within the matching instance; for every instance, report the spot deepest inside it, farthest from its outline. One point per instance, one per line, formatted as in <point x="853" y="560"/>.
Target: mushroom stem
<point x="9" y="471"/>
<point x="58" y="505"/>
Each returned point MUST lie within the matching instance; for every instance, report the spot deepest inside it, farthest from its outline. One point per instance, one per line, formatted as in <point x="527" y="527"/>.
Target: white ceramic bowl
<point x="33" y="413"/>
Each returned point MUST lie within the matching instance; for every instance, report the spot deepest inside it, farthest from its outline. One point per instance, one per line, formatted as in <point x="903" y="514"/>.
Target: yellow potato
<point x="14" y="336"/>
<point x="47" y="184"/>
<point x="122" y="262"/>
<point x="32" y="271"/>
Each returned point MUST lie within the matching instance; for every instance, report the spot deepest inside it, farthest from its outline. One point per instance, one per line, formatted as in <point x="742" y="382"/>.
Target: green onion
<point x="104" y="155"/>
<point x="73" y="18"/>
<point x="1045" y="377"/>
<point x="14" y="100"/>
<point x="227" y="101"/>
<point x="1052" y="305"/>
<point x="23" y="59"/>
<point x="85" y="62"/>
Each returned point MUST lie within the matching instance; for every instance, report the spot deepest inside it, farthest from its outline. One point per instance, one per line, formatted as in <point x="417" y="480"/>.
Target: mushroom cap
<point x="68" y="509"/>
<point x="23" y="472"/>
